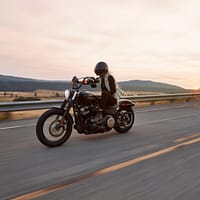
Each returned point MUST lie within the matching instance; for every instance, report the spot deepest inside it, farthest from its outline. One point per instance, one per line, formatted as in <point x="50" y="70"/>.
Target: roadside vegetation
<point x="50" y="95"/>
<point x="31" y="96"/>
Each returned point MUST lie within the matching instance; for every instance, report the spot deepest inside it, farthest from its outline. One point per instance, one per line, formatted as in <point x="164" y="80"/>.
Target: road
<point x="158" y="159"/>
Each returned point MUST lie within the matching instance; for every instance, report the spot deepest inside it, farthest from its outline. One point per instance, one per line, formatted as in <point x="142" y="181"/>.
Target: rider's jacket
<point x="108" y="84"/>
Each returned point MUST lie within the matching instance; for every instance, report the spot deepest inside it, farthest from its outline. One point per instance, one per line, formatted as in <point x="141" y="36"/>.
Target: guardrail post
<point x="5" y="115"/>
<point x="188" y="99"/>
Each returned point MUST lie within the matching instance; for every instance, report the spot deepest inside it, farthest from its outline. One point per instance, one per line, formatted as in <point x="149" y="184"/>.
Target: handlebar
<point x="78" y="82"/>
<point x="89" y="80"/>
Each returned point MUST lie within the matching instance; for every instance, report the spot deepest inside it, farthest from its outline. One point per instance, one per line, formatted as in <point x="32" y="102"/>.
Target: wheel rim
<point x="125" y="119"/>
<point x="53" y="130"/>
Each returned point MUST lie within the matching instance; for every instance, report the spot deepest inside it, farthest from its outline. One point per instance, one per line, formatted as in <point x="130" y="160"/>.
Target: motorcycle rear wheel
<point x="49" y="129"/>
<point x="125" y="120"/>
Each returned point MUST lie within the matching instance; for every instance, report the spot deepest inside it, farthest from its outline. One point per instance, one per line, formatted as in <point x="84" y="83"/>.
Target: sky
<point x="154" y="40"/>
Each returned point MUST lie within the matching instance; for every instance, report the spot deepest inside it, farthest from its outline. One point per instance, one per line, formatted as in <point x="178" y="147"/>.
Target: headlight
<point x="67" y="92"/>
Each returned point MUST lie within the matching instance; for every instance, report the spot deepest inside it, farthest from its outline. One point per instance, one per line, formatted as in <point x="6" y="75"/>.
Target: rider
<point x="108" y="86"/>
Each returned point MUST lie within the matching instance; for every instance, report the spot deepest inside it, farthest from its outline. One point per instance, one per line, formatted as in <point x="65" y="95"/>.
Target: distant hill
<point x="150" y="86"/>
<point x="12" y="83"/>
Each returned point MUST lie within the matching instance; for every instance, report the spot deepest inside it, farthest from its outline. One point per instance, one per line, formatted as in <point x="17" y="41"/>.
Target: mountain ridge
<point x="14" y="83"/>
<point x="150" y="86"/>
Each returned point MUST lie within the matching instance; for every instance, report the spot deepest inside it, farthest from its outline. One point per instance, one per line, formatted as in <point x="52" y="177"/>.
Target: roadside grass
<point x="20" y="115"/>
<point x="41" y="94"/>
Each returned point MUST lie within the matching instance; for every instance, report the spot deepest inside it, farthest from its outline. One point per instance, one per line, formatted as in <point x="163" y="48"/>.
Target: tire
<point x="48" y="128"/>
<point x="125" y="120"/>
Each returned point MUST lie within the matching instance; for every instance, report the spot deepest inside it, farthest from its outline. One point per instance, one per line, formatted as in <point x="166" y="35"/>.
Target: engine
<point x="96" y="124"/>
<point x="92" y="120"/>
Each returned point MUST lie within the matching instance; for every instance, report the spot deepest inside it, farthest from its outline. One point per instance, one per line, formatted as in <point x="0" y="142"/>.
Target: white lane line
<point x="158" y="109"/>
<point x="166" y="119"/>
<point x="149" y="122"/>
<point x="166" y="108"/>
<point x="19" y="126"/>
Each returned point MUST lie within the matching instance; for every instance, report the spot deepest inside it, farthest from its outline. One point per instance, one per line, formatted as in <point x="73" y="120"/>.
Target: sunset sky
<point x="154" y="40"/>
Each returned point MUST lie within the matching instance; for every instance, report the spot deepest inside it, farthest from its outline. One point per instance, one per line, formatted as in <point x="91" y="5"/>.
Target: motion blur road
<point x="158" y="159"/>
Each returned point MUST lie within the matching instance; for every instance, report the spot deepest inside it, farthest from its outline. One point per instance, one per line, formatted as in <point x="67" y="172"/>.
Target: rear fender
<point x="124" y="103"/>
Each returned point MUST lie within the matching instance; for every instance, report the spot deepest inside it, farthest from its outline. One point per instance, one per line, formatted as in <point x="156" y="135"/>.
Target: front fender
<point x="125" y="103"/>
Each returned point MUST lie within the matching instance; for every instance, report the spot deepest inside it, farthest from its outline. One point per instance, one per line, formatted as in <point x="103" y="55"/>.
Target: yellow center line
<point x="106" y="170"/>
<point x="187" y="137"/>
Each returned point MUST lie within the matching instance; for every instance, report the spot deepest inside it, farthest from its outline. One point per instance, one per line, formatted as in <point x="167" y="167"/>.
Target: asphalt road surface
<point x="158" y="159"/>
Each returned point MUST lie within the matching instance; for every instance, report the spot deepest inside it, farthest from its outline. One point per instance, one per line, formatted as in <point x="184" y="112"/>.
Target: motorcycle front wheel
<point x="125" y="120"/>
<point x="52" y="130"/>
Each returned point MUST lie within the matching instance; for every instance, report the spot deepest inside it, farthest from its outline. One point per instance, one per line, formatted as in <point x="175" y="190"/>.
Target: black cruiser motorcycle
<point x="80" y="109"/>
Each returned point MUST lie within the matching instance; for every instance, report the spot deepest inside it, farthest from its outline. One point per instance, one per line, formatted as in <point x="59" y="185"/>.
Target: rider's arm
<point x="112" y="84"/>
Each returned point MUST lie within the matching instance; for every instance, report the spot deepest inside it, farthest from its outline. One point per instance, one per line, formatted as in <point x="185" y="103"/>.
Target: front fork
<point x="69" y="103"/>
<point x="66" y="111"/>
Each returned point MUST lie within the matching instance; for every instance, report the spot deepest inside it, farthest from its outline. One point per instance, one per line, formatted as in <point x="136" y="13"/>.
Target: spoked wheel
<point x="125" y="120"/>
<point x="52" y="130"/>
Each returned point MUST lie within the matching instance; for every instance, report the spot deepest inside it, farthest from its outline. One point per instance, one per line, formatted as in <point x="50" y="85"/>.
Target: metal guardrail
<point x="162" y="97"/>
<point x="37" y="105"/>
<point x="28" y="105"/>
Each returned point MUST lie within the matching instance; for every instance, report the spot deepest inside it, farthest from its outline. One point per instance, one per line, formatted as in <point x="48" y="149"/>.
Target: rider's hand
<point x="97" y="80"/>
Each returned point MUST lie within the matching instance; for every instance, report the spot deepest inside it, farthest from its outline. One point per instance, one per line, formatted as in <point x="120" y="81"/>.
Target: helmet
<point x="101" y="68"/>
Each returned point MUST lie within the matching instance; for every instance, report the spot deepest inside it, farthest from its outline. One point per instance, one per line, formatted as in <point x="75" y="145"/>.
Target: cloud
<point x="139" y="39"/>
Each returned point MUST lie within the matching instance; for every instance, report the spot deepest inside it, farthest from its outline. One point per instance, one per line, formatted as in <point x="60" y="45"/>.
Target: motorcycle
<point x="80" y="109"/>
